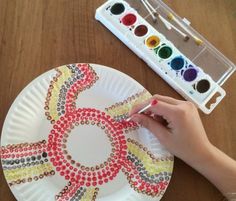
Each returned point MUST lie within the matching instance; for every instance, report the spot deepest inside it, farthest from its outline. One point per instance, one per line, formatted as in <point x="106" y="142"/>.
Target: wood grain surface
<point x="37" y="35"/>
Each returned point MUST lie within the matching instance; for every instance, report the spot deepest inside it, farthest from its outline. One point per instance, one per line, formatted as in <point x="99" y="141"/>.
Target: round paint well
<point x="141" y="30"/>
<point x="129" y="19"/>
<point x="203" y="86"/>
<point x="152" y="41"/>
<point x="190" y="74"/>
<point x="177" y="63"/>
<point x="117" y="8"/>
<point x="165" y="52"/>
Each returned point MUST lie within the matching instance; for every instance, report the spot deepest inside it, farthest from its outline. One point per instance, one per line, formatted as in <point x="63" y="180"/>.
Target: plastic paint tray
<point x="197" y="72"/>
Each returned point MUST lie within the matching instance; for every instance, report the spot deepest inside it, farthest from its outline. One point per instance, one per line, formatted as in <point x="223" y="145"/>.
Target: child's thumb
<point x="155" y="127"/>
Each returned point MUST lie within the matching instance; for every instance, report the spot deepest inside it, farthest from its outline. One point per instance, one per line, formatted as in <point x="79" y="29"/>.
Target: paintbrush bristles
<point x="198" y="41"/>
<point x="170" y="16"/>
<point x="186" y="38"/>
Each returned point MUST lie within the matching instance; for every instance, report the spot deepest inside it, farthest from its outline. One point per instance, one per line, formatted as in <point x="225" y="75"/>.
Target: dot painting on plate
<point x="29" y="162"/>
<point x="158" y="52"/>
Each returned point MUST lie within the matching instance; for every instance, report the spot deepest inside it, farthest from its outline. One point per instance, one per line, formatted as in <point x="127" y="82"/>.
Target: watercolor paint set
<point x="171" y="47"/>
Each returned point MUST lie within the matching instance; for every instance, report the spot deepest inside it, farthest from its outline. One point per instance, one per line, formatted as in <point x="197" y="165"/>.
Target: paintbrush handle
<point x="196" y="39"/>
<point x="150" y="6"/>
<point x="144" y="109"/>
<point x="154" y="102"/>
<point x="180" y="32"/>
<point x="148" y="9"/>
<point x="165" y="22"/>
<point x="140" y="111"/>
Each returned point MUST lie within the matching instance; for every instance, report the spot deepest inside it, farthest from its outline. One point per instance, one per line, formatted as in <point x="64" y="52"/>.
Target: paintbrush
<point x="164" y="21"/>
<point x="196" y="39"/>
<point x="151" y="7"/>
<point x="154" y="102"/>
<point x="147" y="5"/>
<point x="168" y="25"/>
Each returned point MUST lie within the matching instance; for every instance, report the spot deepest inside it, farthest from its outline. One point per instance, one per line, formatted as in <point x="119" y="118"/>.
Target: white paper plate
<point x="65" y="138"/>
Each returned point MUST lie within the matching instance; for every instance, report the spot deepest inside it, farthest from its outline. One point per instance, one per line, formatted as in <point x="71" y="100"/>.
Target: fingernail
<point x="154" y="102"/>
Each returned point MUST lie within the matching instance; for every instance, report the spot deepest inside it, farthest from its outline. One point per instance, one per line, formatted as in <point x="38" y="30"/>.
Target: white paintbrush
<point x="150" y="6"/>
<point x="168" y="25"/>
<point x="146" y="4"/>
<point x="154" y="102"/>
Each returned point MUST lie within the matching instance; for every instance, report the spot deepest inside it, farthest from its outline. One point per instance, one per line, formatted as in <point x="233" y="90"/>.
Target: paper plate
<point x="65" y="138"/>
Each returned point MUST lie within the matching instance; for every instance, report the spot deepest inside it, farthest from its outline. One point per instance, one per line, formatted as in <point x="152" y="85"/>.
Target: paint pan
<point x="190" y="74"/>
<point x="129" y="19"/>
<point x="203" y="86"/>
<point x="177" y="63"/>
<point x="152" y="41"/>
<point x="117" y="9"/>
<point x="141" y="30"/>
<point x="164" y="52"/>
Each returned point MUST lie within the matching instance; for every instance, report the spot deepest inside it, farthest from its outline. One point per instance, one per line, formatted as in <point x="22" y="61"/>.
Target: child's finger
<point x="155" y="127"/>
<point x="163" y="109"/>
<point x="160" y="120"/>
<point x="167" y="99"/>
<point x="157" y="97"/>
<point x="138" y="107"/>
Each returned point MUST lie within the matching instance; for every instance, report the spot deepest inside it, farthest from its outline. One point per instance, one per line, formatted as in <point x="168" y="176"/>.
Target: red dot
<point x="105" y="180"/>
<point x="94" y="183"/>
<point x="81" y="183"/>
<point x="88" y="184"/>
<point x="52" y="159"/>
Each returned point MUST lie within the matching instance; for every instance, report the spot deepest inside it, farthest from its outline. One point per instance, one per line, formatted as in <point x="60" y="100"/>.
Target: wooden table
<point x="38" y="35"/>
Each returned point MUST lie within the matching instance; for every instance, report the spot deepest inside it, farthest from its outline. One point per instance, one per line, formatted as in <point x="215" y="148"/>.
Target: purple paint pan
<point x="190" y="74"/>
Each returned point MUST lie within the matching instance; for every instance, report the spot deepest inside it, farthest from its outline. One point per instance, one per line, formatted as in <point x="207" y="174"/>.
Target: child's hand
<point x="177" y="125"/>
